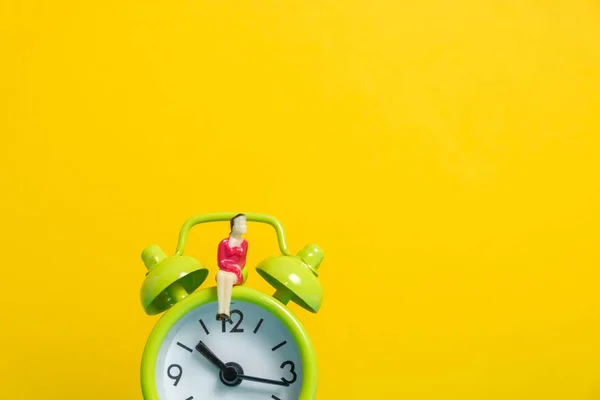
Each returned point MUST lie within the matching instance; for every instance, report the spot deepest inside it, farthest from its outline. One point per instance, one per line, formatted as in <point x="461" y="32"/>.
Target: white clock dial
<point x="257" y="342"/>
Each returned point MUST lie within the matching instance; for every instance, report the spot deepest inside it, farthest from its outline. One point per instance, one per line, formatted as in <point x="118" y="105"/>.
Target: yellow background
<point x="443" y="153"/>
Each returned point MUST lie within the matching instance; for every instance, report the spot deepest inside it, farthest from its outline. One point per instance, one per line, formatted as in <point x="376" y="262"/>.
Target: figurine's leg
<point x="231" y="278"/>
<point x="222" y="282"/>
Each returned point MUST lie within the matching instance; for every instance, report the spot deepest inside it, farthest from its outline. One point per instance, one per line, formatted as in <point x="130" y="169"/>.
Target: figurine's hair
<point x="232" y="220"/>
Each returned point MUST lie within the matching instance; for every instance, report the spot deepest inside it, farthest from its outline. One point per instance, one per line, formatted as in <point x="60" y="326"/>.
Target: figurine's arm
<point x="244" y="253"/>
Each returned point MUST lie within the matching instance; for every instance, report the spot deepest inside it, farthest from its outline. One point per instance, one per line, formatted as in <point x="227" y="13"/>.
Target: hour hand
<point x="210" y="356"/>
<point x="261" y="380"/>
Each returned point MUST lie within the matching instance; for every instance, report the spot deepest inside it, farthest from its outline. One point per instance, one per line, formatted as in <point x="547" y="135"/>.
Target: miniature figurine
<point x="231" y="260"/>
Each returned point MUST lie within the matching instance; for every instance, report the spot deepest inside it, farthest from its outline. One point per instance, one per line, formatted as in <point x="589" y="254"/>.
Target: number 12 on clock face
<point x="253" y="356"/>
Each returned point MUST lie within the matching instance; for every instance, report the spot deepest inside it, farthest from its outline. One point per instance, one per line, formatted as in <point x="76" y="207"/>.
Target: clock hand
<point x="261" y="380"/>
<point x="210" y="356"/>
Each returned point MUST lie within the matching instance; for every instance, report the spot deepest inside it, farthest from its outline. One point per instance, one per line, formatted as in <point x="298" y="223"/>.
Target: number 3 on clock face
<point x="263" y="354"/>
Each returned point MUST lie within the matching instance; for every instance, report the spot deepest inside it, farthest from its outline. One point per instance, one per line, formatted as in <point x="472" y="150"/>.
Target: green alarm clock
<point x="258" y="349"/>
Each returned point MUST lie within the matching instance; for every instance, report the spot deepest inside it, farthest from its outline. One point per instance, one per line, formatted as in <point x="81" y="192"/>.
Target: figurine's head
<point x="238" y="225"/>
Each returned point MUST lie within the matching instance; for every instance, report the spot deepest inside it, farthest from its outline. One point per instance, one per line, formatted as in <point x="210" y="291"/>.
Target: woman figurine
<point x="231" y="260"/>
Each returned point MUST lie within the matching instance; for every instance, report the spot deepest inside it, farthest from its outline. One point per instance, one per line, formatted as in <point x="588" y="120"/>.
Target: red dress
<point x="232" y="259"/>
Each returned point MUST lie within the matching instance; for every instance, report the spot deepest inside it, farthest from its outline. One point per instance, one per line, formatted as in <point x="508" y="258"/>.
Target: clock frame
<point x="241" y="293"/>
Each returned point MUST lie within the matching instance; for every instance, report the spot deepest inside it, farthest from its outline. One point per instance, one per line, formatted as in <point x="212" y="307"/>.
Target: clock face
<point x="256" y="344"/>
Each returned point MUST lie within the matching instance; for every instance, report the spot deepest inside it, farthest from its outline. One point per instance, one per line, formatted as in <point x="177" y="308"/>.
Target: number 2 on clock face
<point x="254" y="344"/>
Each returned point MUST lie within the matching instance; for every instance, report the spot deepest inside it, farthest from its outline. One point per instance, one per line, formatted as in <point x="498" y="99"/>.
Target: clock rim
<point x="241" y="293"/>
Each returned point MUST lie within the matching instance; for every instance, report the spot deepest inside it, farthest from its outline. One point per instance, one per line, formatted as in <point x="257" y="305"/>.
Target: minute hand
<point x="262" y="380"/>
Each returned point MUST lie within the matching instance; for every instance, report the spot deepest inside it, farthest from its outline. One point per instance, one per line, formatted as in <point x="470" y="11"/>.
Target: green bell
<point x="295" y="277"/>
<point x="169" y="279"/>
